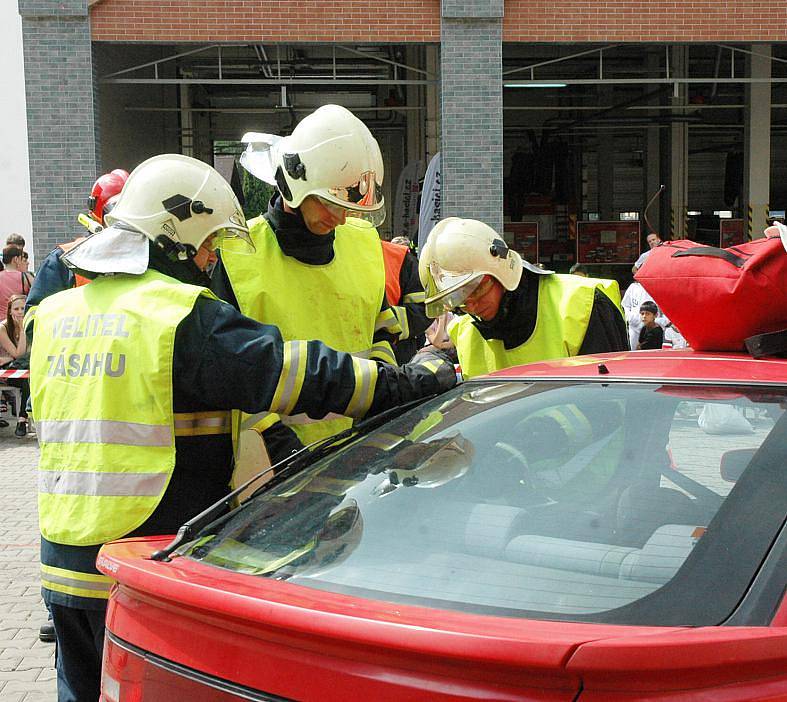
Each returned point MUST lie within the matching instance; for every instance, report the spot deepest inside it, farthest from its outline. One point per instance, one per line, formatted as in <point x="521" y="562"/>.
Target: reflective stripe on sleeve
<point x="431" y="366"/>
<point x="293" y="372"/>
<point x="202" y="423"/>
<point x="72" y="582"/>
<point x="260" y="421"/>
<point x="386" y="319"/>
<point x="103" y="431"/>
<point x="295" y="420"/>
<point x="29" y="317"/>
<point x="74" y="482"/>
<point x="414" y="298"/>
<point x="381" y="351"/>
<point x="365" y="382"/>
<point x="401" y="315"/>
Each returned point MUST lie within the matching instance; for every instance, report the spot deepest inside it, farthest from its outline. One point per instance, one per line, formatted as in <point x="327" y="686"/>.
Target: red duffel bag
<point x="719" y="297"/>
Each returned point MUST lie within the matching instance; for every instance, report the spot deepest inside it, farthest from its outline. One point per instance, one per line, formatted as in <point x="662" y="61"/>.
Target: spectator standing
<point x="14" y="279"/>
<point x="651" y="335"/>
<point x="579" y="269"/>
<point x="15" y="239"/>
<point x="632" y="300"/>
<point x="673" y="339"/>
<point x="653" y="240"/>
<point x="14" y="353"/>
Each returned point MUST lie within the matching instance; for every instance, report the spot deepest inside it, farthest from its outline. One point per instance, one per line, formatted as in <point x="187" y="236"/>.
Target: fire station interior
<point x="591" y="131"/>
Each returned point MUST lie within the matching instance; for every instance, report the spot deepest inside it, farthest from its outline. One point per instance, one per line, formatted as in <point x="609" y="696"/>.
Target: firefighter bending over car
<point x="513" y="312"/>
<point x="133" y="379"/>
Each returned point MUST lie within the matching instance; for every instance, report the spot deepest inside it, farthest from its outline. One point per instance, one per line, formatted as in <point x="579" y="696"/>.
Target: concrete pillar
<point x="59" y="89"/>
<point x="679" y="148"/>
<point x="757" y="148"/>
<point x="472" y="110"/>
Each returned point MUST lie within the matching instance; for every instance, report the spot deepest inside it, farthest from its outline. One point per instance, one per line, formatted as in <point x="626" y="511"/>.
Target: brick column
<point x="60" y="116"/>
<point x="472" y="110"/>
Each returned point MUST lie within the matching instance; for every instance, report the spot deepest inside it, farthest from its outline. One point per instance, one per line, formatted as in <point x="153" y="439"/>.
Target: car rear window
<point x="615" y="502"/>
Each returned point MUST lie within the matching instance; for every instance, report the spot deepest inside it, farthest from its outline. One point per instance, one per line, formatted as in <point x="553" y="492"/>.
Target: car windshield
<point x="630" y="503"/>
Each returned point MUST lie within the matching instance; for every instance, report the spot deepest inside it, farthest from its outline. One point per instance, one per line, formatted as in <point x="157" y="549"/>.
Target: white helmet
<point x="330" y="154"/>
<point x="178" y="202"/>
<point x="457" y="255"/>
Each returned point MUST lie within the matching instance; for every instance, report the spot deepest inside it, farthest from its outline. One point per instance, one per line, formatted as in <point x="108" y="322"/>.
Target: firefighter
<point x="514" y="312"/>
<point x="406" y="296"/>
<point x="133" y="379"/>
<point x="317" y="269"/>
<point x="53" y="276"/>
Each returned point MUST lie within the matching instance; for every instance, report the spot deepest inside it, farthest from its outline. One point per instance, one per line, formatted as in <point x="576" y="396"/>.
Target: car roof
<point x="683" y="365"/>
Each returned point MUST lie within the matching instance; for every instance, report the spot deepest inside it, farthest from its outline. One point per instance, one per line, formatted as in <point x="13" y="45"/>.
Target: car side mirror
<point x="734" y="462"/>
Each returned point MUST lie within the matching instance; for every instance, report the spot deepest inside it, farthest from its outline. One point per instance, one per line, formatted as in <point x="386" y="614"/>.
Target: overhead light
<point x="534" y="85"/>
<point x="695" y="213"/>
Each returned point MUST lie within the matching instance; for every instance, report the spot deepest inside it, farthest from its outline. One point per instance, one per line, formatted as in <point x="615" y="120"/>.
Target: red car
<point x="598" y="528"/>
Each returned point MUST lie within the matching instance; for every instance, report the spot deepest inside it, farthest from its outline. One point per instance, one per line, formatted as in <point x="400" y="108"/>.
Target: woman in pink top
<point x="14" y="280"/>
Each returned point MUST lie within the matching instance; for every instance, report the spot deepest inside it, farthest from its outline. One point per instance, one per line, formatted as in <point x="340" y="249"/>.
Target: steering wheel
<point x="511" y="454"/>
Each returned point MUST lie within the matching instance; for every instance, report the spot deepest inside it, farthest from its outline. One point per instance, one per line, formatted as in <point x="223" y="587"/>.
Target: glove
<point x="439" y="365"/>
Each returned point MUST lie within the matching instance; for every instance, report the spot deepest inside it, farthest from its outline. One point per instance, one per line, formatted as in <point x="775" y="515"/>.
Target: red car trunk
<point x="262" y="635"/>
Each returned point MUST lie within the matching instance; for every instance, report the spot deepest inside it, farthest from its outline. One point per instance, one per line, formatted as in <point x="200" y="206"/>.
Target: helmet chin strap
<point x="183" y="255"/>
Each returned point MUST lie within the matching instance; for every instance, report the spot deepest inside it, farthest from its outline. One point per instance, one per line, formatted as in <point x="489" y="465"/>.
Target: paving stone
<point x="27" y="671"/>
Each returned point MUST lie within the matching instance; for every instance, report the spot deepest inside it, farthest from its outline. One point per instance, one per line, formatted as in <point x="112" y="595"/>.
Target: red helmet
<point x="107" y="186"/>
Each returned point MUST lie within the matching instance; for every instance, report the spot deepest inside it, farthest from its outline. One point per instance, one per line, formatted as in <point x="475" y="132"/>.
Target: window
<point x="581" y="501"/>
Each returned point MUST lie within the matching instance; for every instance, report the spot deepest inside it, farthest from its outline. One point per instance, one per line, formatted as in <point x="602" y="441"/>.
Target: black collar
<point x="295" y="239"/>
<point x="515" y="321"/>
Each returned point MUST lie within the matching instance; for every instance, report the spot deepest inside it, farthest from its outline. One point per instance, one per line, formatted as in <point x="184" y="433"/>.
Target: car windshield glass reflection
<point x="582" y="501"/>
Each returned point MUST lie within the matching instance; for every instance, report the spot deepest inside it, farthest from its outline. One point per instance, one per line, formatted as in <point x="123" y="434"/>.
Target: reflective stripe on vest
<point x="565" y="303"/>
<point x="103" y="431"/>
<point x="101" y="383"/>
<point x="73" y="582"/>
<point x="77" y="482"/>
<point x="337" y="303"/>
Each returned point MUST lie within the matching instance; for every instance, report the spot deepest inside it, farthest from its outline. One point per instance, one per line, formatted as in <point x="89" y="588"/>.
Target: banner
<point x="405" y="209"/>
<point x="430" y="202"/>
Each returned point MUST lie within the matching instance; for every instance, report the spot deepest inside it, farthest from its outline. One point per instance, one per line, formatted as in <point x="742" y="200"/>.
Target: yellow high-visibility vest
<point x="564" y="306"/>
<point x="101" y="385"/>
<point x="337" y="303"/>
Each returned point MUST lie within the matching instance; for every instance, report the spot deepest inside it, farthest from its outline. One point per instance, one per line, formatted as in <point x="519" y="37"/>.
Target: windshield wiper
<point x="294" y="462"/>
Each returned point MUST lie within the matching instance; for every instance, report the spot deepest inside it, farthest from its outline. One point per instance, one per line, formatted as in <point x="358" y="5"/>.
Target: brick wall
<point x="637" y="20"/>
<point x="419" y="20"/>
<point x="472" y="118"/>
<point x="266" y="20"/>
<point x="60" y="116"/>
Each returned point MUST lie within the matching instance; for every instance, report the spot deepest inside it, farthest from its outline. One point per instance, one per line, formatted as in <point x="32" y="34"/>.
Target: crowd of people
<point x="15" y="284"/>
<point x="306" y="322"/>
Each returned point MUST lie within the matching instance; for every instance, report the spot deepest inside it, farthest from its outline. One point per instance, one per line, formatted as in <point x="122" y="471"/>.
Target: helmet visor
<point x="447" y="291"/>
<point x="234" y="229"/>
<point x="373" y="218"/>
<point x="362" y="200"/>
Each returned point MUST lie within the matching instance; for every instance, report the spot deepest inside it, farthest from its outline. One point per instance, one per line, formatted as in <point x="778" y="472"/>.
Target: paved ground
<point x="27" y="671"/>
